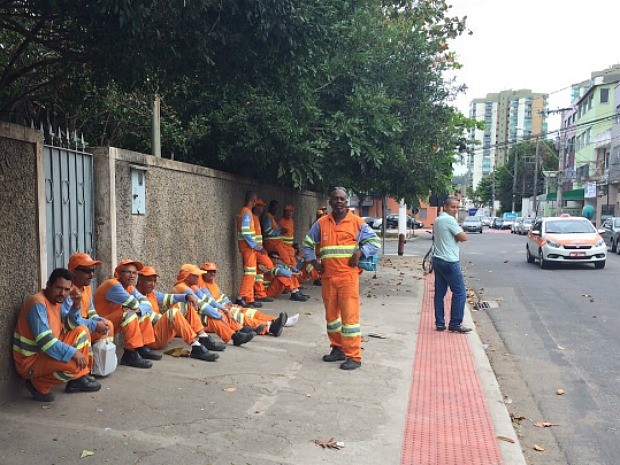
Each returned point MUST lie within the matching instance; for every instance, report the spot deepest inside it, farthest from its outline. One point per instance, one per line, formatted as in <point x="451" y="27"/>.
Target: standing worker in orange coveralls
<point x="45" y="355"/>
<point x="248" y="249"/>
<point x="287" y="228"/>
<point x="342" y="239"/>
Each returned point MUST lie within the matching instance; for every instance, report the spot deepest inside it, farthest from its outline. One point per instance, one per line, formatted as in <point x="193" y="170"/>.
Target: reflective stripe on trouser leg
<point x="132" y="336"/>
<point x="145" y="323"/>
<point x="48" y="372"/>
<point x="246" y="291"/>
<point x="332" y="315"/>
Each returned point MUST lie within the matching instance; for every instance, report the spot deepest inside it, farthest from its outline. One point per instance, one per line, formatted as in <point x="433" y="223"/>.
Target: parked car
<point x="499" y="223"/>
<point x="508" y="219"/>
<point x="525" y="226"/>
<point x="472" y="224"/>
<point x="493" y="222"/>
<point x="611" y="233"/>
<point x="486" y="221"/>
<point x="391" y="222"/>
<point x="516" y="224"/>
<point x="370" y="220"/>
<point x="565" y="240"/>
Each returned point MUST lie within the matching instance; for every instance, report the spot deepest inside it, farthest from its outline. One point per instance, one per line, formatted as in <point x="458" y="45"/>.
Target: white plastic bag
<point x="104" y="358"/>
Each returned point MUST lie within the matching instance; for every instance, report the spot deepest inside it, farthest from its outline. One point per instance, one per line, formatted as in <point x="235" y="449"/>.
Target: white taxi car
<point x="565" y="240"/>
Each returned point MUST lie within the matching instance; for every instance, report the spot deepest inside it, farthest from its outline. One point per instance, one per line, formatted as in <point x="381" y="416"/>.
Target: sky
<point x="542" y="45"/>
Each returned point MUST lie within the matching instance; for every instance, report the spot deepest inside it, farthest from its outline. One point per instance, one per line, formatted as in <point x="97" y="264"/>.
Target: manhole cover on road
<point x="485" y="304"/>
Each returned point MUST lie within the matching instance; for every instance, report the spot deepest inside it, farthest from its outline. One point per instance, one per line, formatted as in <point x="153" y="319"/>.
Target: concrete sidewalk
<point x="262" y="403"/>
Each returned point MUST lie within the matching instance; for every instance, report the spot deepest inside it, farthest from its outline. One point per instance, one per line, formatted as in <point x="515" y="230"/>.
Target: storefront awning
<point x="575" y="194"/>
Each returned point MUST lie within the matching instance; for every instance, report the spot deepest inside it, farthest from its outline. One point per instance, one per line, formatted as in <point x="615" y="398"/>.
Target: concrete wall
<point x="20" y="161"/>
<point x="190" y="215"/>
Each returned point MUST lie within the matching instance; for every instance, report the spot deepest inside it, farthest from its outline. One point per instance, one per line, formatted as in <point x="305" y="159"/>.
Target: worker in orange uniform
<point x="45" y="355"/>
<point x="174" y="315"/>
<point x="214" y="321"/>
<point x="82" y="268"/>
<point x="130" y="312"/>
<point x="287" y="279"/>
<point x="273" y="325"/>
<point x="272" y="235"/>
<point x="249" y="249"/>
<point x="287" y="228"/>
<point x="342" y="238"/>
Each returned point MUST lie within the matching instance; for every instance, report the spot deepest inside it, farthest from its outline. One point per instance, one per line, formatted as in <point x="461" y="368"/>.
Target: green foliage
<point x="305" y="94"/>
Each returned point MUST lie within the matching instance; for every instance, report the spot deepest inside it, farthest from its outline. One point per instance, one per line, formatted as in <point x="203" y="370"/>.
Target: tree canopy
<point x="304" y="94"/>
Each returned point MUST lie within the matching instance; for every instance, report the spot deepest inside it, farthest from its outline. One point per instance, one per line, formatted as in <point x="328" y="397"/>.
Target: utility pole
<point x="535" y="200"/>
<point x="156" y="133"/>
<point x="514" y="179"/>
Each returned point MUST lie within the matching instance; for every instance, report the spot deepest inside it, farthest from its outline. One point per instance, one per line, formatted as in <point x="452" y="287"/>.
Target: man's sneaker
<point x="247" y="329"/>
<point x="132" y="358"/>
<point x="459" y="329"/>
<point x="336" y="355"/>
<point x="242" y="303"/>
<point x="210" y="344"/>
<point x="307" y="296"/>
<point x="277" y="325"/>
<point x="264" y="299"/>
<point x="241" y="338"/>
<point x="441" y="328"/>
<point x="148" y="354"/>
<point x="350" y="364"/>
<point x="255" y="304"/>
<point x="38" y="395"/>
<point x="298" y="297"/>
<point x="201" y="353"/>
<point x="292" y="320"/>
<point x="82" y="384"/>
<point x="318" y="282"/>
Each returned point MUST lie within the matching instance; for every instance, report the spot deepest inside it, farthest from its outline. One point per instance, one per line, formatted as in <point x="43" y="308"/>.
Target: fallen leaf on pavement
<point x="229" y="389"/>
<point x="559" y="392"/>
<point x="506" y="438"/>
<point x="506" y="261"/>
<point x="331" y="443"/>
<point x="177" y="352"/>
<point x="308" y="313"/>
<point x="544" y="424"/>
<point x="514" y="418"/>
<point x="539" y="448"/>
<point x="86" y="453"/>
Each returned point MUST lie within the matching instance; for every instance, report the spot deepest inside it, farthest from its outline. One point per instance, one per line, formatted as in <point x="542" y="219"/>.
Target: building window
<point x="604" y="95"/>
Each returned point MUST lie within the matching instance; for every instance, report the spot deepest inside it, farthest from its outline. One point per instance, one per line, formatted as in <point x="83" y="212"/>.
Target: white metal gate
<point x="69" y="199"/>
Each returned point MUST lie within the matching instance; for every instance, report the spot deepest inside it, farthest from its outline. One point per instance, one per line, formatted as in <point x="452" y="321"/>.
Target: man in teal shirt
<point x="448" y="273"/>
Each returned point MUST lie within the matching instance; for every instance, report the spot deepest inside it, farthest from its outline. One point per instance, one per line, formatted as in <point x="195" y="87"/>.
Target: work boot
<point x="318" y="282"/>
<point x="277" y="325"/>
<point x="38" y="396"/>
<point x="147" y="353"/>
<point x="132" y="358"/>
<point x="255" y="304"/>
<point x="336" y="355"/>
<point x="298" y="297"/>
<point x="264" y="299"/>
<point x="201" y="353"/>
<point x="240" y="338"/>
<point x="259" y="329"/>
<point x="350" y="364"/>
<point x="82" y="384"/>
<point x="210" y="344"/>
<point x="242" y="303"/>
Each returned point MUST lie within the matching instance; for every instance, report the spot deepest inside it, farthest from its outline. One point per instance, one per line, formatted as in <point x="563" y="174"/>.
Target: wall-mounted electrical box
<point x="138" y="190"/>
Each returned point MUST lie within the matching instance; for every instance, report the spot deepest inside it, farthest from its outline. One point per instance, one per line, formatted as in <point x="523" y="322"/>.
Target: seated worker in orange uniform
<point x="130" y="312"/>
<point x="82" y="269"/>
<point x="273" y="325"/>
<point x="273" y="235"/>
<point x="174" y="315"/>
<point x="288" y="280"/>
<point x="45" y="355"/>
<point x="213" y="320"/>
<point x="306" y="269"/>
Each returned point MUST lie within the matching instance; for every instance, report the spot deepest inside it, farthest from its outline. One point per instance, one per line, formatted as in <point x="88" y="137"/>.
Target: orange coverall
<point x="245" y="229"/>
<point x="178" y="319"/>
<point x="30" y="351"/>
<point x="88" y="312"/>
<point x="287" y="241"/>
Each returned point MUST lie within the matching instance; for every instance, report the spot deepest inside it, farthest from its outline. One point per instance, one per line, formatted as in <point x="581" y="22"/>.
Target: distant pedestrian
<point x="342" y="238"/>
<point x="448" y="272"/>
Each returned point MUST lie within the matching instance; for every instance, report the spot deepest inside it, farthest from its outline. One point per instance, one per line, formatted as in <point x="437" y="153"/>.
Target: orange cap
<point x="209" y="266"/>
<point x="260" y="203"/>
<point x="127" y="261"/>
<point x="188" y="269"/>
<point x="81" y="259"/>
<point x="148" y="271"/>
<point x="289" y="207"/>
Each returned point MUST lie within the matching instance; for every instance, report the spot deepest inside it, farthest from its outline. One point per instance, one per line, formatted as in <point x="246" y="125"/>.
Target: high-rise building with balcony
<point x="509" y="116"/>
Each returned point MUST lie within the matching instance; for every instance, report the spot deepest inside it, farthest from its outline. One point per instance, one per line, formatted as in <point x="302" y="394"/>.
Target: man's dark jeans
<point x="448" y="274"/>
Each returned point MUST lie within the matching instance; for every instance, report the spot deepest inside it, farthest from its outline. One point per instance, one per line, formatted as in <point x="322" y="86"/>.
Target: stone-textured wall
<point x="19" y="236"/>
<point x="190" y="215"/>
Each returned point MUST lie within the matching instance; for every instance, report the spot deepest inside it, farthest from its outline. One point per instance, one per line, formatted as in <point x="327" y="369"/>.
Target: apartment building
<point x="509" y="116"/>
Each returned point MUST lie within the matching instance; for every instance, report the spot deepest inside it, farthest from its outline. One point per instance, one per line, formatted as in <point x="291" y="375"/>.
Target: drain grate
<point x="485" y="304"/>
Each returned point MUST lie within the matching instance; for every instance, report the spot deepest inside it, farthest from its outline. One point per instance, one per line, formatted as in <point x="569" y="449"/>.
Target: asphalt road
<point x="554" y="329"/>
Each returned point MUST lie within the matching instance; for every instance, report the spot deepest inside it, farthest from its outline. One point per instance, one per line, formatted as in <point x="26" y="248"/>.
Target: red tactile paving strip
<point x="448" y="421"/>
